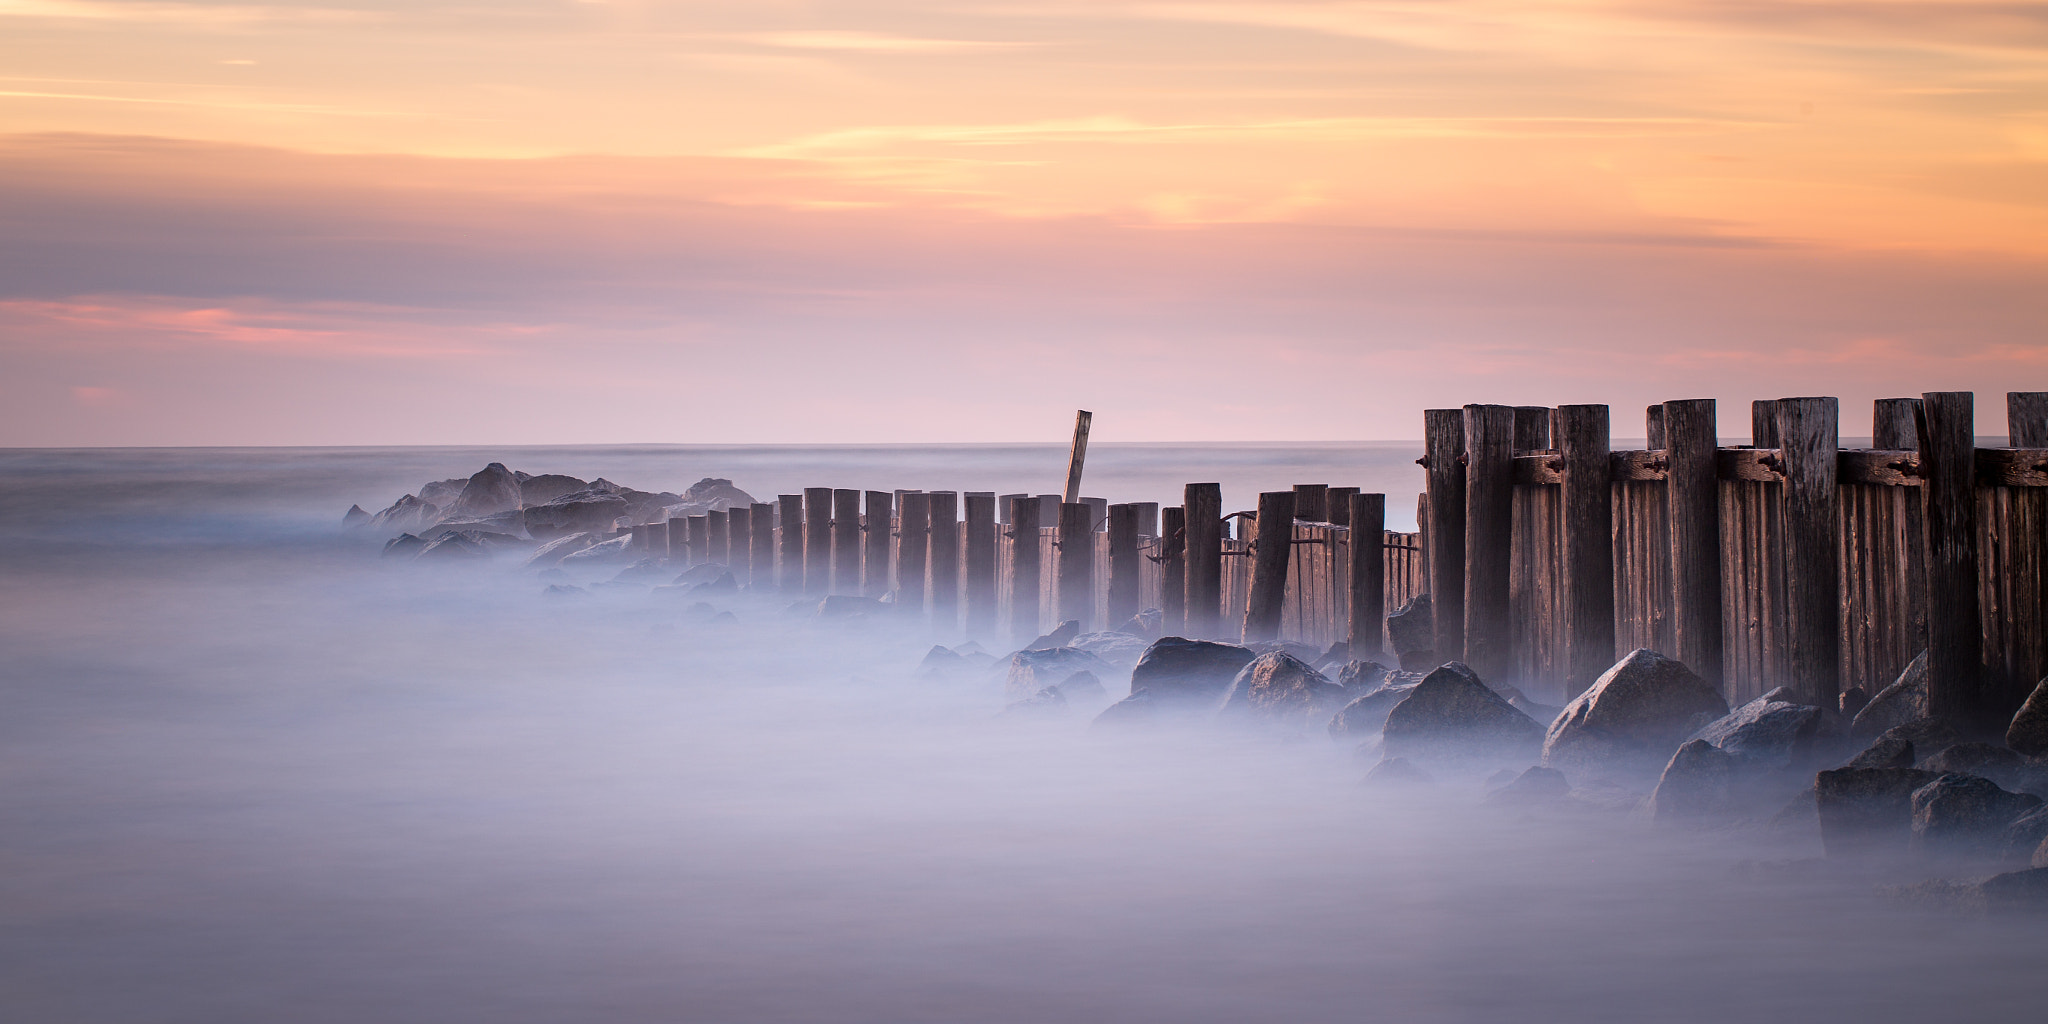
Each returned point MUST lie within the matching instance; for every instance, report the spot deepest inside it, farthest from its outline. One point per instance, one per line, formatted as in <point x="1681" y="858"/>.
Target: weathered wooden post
<point x="1123" y="566"/>
<point x="1024" y="583"/>
<point x="1443" y="457"/>
<point x="944" y="559"/>
<point x="1311" y="503"/>
<point x="1077" y="564"/>
<point x="761" y="547"/>
<point x="2026" y="419"/>
<point x="1489" y="539"/>
<point x="979" y="558"/>
<point x="1948" y="492"/>
<point x="700" y="539"/>
<point x="1078" y="455"/>
<point x="1340" y="505"/>
<point x="1204" y="554"/>
<point x="789" y="572"/>
<point x="1272" y="547"/>
<point x="876" y="529"/>
<point x="720" y="538"/>
<point x="1587" y="543"/>
<point x="740" y="541"/>
<point x="1173" y="571"/>
<point x="913" y="533"/>
<point x="846" y="541"/>
<point x="1367" y="516"/>
<point x="817" y="541"/>
<point x="1693" y="497"/>
<point x="1809" y="438"/>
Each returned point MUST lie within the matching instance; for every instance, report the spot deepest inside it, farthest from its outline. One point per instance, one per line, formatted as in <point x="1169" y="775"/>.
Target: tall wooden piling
<point x="846" y="541"/>
<point x="1270" y="553"/>
<point x="877" y="527"/>
<point x="817" y="541"/>
<point x="718" y="539"/>
<point x="1693" y="496"/>
<point x="1339" y="501"/>
<point x="678" y="540"/>
<point x="1122" y="600"/>
<point x="1367" y="516"/>
<point x="1204" y="555"/>
<point x="978" y="557"/>
<point x="1443" y="457"/>
<point x="739" y="535"/>
<point x="944" y="559"/>
<point x="700" y="539"/>
<point x="913" y="535"/>
<point x="1489" y="538"/>
<point x="761" y="545"/>
<point x="1312" y="503"/>
<point x="2016" y="587"/>
<point x="1173" y="571"/>
<point x="1809" y="438"/>
<point x="1955" y="657"/>
<point x="1586" y="544"/>
<point x="789" y="568"/>
<point x="1077" y="564"/>
<point x="1024" y="559"/>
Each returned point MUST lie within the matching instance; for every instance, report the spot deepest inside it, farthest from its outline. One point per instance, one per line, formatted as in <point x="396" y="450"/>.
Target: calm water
<point x="248" y="772"/>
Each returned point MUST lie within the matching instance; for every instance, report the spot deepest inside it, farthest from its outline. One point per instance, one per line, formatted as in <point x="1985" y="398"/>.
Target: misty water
<point x="251" y="772"/>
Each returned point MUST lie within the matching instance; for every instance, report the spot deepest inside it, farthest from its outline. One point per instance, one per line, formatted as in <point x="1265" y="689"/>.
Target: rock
<point x="1885" y="752"/>
<point x="508" y="524"/>
<point x="1138" y="710"/>
<point x="576" y="512"/>
<point x="1541" y="714"/>
<point x="1362" y="677"/>
<point x="845" y="608"/>
<point x="1538" y="785"/>
<point x="646" y="570"/>
<point x="1452" y="714"/>
<point x="1119" y="649"/>
<point x="2024" y="835"/>
<point x="713" y="494"/>
<point x="539" y="490"/>
<point x="1929" y="736"/>
<point x="1047" y="703"/>
<point x="2041" y="855"/>
<point x="1964" y="816"/>
<point x="1903" y="701"/>
<point x="1800" y="814"/>
<point x="702" y="572"/>
<point x="1300" y="652"/>
<point x="1334" y="658"/>
<point x="492" y="489"/>
<point x="406" y="515"/>
<point x="616" y="549"/>
<point x="1032" y="671"/>
<point x="405" y="545"/>
<point x="443" y="492"/>
<point x="1398" y="772"/>
<point x="355" y="516"/>
<point x="1412" y="629"/>
<point x="463" y="545"/>
<point x="2028" y="732"/>
<point x="1766" y="730"/>
<point x="563" y="591"/>
<point x="724" y="584"/>
<point x="1853" y="700"/>
<point x="2016" y="892"/>
<point x="1982" y="760"/>
<point x="1278" y="689"/>
<point x="1144" y="625"/>
<point x="1084" y="687"/>
<point x="1626" y="725"/>
<point x="561" y="547"/>
<point x="1700" y="781"/>
<point x="941" y="662"/>
<point x="1178" y="669"/>
<point x="1367" y="715"/>
<point x="1059" y="637"/>
<point x="1867" y="810"/>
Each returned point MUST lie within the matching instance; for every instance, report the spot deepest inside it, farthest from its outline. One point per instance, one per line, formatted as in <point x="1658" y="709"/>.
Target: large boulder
<point x="539" y="490"/>
<point x="405" y="545"/>
<point x="2025" y="834"/>
<point x="1538" y="785"/>
<point x="1032" y="671"/>
<point x="617" y="549"/>
<point x="1700" y="781"/>
<point x="1929" y="736"/>
<point x="1627" y="724"/>
<point x="493" y="489"/>
<point x="1411" y="632"/>
<point x="1278" y="689"/>
<point x="406" y="515"/>
<point x="576" y="512"/>
<point x="1062" y="635"/>
<point x="1174" y="668"/>
<point x="2017" y="893"/>
<point x="2028" y="732"/>
<point x="458" y="546"/>
<point x="1867" y="810"/>
<point x="1361" y="677"/>
<point x="1397" y="773"/>
<point x="1884" y="752"/>
<point x="1367" y="715"/>
<point x="1983" y="760"/>
<point x="711" y="494"/>
<point x="1452" y="715"/>
<point x="555" y="550"/>
<point x="1903" y="701"/>
<point x="1768" y="730"/>
<point x="1964" y="816"/>
<point x="355" y="516"/>
<point x="1120" y="649"/>
<point x="1139" y="710"/>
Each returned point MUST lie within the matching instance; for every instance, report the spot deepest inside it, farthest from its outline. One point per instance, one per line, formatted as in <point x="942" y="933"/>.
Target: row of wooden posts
<point x="1787" y="562"/>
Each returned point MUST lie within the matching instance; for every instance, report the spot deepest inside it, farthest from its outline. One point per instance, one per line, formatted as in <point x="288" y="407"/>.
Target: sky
<point x="553" y="221"/>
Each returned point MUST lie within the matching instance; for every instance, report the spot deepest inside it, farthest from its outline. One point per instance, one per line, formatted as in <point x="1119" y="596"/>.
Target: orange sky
<point x="638" y="221"/>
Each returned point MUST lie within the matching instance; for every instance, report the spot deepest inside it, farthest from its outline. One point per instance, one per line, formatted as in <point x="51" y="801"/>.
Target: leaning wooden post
<point x="1122" y="600"/>
<point x="761" y="548"/>
<point x="1693" y="497"/>
<point x="913" y="533"/>
<point x="1024" y="583"/>
<point x="1204" y="554"/>
<point x="1077" y="564"/>
<point x="846" y="541"/>
<point x="817" y="541"/>
<point x="944" y="559"/>
<point x="789" y="571"/>
<point x="1078" y="455"/>
<point x="1810" y="442"/>
<point x="1312" y="503"/>
<point x="978" y="555"/>
<point x="1587" y="543"/>
<point x="1948" y="492"/>
<point x="1173" y="570"/>
<point x="1489" y="539"/>
<point x="740" y="542"/>
<point x="1368" y="518"/>
<point x="1271" y="548"/>
<point x="1443" y="456"/>
<point x="877" y="526"/>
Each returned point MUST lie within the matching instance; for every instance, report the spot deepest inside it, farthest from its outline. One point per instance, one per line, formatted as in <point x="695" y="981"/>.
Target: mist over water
<point x="250" y="772"/>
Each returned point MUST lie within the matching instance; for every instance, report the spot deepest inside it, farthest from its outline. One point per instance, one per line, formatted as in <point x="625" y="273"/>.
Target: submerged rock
<point x="1050" y="702"/>
<point x="2016" y="892"/>
<point x="1929" y="736"/>
<point x="555" y="550"/>
<point x="461" y="545"/>
<point x="1768" y="730"/>
<point x="1538" y="785"/>
<point x="1867" y="810"/>
<point x="616" y="549"/>
<point x="2025" y="834"/>
<point x="539" y="490"/>
<point x="1362" y="677"/>
<point x="1120" y="649"/>
<point x="405" y="545"/>
<point x="1032" y="671"/>
<point x="1884" y="752"/>
<point x="1145" y="625"/>
<point x="836" y="608"/>
<point x="576" y="512"/>
<point x="1367" y="715"/>
<point x="1982" y="760"/>
<point x="1963" y="815"/>
<point x="2028" y="732"/>
<point x="1398" y="772"/>
<point x="355" y="516"/>
<point x="1174" y="668"/>
<point x="1061" y="636"/>
<point x="406" y="515"/>
<point x="1452" y="714"/>
<point x="1626" y="725"/>
<point x="1700" y="781"/>
<point x="1139" y="710"/>
<point x="1278" y="689"/>
<point x="1905" y="700"/>
<point x="1411" y="632"/>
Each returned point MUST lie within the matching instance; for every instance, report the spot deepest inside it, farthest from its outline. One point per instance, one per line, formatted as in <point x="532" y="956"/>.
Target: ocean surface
<point x="251" y="772"/>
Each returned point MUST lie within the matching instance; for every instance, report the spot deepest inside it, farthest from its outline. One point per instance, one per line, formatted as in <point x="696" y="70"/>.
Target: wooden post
<point x="1532" y="428"/>
<point x="679" y="540"/>
<point x="1809" y="436"/>
<point x="1123" y="566"/>
<point x="1489" y="539"/>
<point x="2026" y="419"/>
<point x="1078" y="455"/>
<point x="817" y="541"/>
<point x="1892" y="424"/>
<point x="1204" y="554"/>
<point x="846" y="541"/>
<point x="1271" y="549"/>
<point x="944" y="559"/>
<point x="1024" y="584"/>
<point x="720" y="550"/>
<point x="740" y="542"/>
<point x="1368" y="518"/>
<point x="1653" y="427"/>
<point x="789" y="571"/>
<point x="913" y="535"/>
<point x="1587" y="542"/>
<point x="1340" y="505"/>
<point x="1443" y="453"/>
<point x="877" y="526"/>
<point x="1077" y="564"/>
<point x="1693" y="497"/>
<point x="700" y="539"/>
<point x="979" y="556"/>
<point x="761" y="548"/>
<point x="1312" y="503"/>
<point x="1173" y="571"/>
<point x="1948" y="492"/>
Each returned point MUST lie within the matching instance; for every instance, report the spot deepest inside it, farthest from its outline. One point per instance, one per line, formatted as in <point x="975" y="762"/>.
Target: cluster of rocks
<point x="552" y="518"/>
